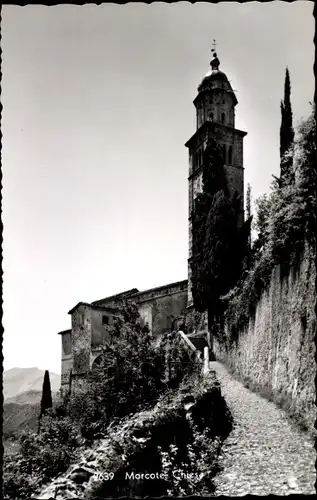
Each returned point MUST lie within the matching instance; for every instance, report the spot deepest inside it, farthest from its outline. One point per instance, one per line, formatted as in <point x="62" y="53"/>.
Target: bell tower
<point x="215" y="118"/>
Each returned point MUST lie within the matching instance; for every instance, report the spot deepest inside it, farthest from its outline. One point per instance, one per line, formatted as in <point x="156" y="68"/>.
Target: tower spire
<point x="215" y="61"/>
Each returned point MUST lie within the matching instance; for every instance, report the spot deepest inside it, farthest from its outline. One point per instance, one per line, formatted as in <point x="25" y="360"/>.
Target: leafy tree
<point x="286" y="129"/>
<point x="263" y="210"/>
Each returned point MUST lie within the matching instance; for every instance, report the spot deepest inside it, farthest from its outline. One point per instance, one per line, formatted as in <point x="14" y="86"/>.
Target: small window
<point x="223" y="117"/>
<point x="230" y="155"/>
<point x="105" y="320"/>
<point x="211" y="117"/>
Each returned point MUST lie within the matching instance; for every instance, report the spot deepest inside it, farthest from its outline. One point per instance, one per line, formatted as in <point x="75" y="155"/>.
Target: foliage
<point x="263" y="207"/>
<point x="286" y="129"/>
<point x="179" y="361"/>
<point x="41" y="457"/>
<point x="285" y="220"/>
<point x="248" y="202"/>
<point x="219" y="243"/>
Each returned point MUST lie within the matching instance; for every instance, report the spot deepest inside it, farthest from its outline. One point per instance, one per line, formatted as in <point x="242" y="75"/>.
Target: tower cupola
<point x="216" y="100"/>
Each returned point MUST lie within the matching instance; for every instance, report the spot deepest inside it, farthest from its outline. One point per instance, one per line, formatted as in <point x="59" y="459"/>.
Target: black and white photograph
<point x="159" y="238"/>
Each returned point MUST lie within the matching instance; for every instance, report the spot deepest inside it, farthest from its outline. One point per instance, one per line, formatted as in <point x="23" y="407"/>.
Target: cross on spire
<point x="215" y="62"/>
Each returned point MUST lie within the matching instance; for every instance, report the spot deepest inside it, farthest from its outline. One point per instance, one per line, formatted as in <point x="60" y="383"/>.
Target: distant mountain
<point x="21" y="380"/>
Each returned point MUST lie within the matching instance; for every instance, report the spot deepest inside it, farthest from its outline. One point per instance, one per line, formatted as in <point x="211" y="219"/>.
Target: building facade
<point x="162" y="308"/>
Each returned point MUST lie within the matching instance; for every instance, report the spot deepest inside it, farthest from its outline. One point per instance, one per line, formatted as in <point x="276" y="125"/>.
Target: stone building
<point x="167" y="307"/>
<point x="162" y="308"/>
<point x="215" y="118"/>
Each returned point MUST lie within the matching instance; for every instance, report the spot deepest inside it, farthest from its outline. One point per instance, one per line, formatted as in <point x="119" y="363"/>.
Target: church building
<point x="165" y="308"/>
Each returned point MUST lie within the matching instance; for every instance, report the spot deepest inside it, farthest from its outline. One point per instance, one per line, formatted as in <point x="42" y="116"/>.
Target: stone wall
<point x="275" y="351"/>
<point x="81" y="343"/>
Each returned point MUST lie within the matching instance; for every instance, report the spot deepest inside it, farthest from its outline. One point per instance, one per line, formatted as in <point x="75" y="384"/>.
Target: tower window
<point x="105" y="320"/>
<point x="224" y="152"/>
<point x="223" y="117"/>
<point x="211" y="117"/>
<point x="230" y="155"/>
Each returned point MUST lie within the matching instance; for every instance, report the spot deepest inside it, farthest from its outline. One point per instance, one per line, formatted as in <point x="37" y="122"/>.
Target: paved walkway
<point x="263" y="454"/>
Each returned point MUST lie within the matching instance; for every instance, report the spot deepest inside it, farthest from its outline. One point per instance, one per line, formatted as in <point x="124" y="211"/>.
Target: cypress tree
<point x="286" y="130"/>
<point x="46" y="401"/>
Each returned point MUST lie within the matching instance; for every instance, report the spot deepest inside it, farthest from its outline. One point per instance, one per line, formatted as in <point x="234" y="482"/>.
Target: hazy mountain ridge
<point x="17" y="381"/>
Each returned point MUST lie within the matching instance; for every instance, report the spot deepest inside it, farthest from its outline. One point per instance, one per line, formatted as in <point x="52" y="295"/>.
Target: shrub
<point x="41" y="457"/>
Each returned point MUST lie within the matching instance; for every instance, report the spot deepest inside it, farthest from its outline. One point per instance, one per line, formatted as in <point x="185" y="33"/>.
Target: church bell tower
<point x="215" y="118"/>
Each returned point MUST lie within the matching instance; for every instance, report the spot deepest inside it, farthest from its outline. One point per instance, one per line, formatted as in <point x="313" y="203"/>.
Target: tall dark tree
<point x="46" y="401"/>
<point x="219" y="245"/>
<point x="286" y="130"/>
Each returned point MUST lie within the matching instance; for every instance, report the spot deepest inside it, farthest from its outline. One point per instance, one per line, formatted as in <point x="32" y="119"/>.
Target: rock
<point x="292" y="482"/>
<point x="80" y="475"/>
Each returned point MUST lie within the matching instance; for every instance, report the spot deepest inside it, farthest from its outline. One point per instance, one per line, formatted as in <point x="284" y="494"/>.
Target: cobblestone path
<point x="263" y="454"/>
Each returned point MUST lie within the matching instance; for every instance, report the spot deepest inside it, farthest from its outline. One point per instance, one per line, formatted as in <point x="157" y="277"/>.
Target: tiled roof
<point x="116" y="296"/>
<point x="63" y="331"/>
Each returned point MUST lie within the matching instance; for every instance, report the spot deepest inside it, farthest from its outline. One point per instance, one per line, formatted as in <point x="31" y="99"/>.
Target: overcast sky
<point x="97" y="108"/>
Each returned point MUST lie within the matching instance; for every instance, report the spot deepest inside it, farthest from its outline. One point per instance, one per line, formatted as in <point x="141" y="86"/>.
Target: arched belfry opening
<point x="96" y="363"/>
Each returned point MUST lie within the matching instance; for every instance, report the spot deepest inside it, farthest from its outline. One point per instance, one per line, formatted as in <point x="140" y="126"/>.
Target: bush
<point x="41" y="457"/>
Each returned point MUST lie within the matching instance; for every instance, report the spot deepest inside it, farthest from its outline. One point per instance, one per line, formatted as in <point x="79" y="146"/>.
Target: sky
<point x="97" y="107"/>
